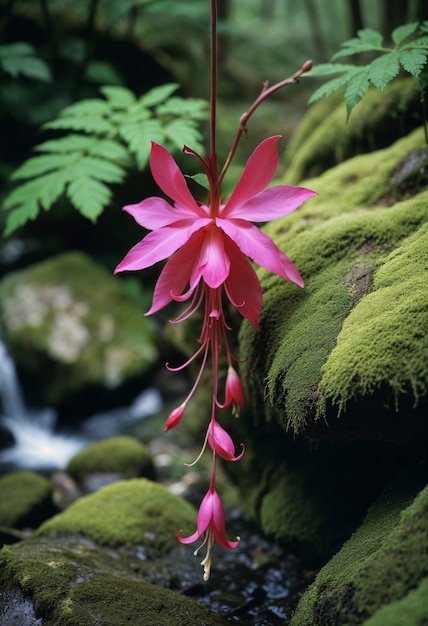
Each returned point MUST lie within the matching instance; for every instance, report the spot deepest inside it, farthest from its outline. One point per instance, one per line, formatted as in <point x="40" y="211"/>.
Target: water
<point x="36" y="444"/>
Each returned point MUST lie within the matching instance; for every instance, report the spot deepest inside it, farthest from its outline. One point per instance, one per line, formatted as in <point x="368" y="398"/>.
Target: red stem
<point x="265" y="93"/>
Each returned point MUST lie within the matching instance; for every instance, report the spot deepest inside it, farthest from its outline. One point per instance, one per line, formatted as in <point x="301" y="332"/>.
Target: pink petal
<point x="221" y="442"/>
<point x="154" y="212"/>
<point x="160" y="244"/>
<point x="176" y="273"/>
<point x="219" y="523"/>
<point x="271" y="203"/>
<point x="260" y="248"/>
<point x="213" y="263"/>
<point x="242" y="285"/>
<point x="205" y="515"/>
<point x="257" y="174"/>
<point x="168" y="176"/>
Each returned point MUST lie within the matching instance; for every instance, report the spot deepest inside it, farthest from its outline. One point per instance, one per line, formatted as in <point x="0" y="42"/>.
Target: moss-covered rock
<point x="61" y="581"/>
<point x="25" y="501"/>
<point x="325" y="138"/>
<point x="381" y="572"/>
<point x="70" y="326"/>
<point x="124" y="457"/>
<point x="347" y="356"/>
<point x="131" y="512"/>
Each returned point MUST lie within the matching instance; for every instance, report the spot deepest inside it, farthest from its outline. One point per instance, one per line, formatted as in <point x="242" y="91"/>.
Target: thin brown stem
<point x="213" y="79"/>
<point x="265" y="93"/>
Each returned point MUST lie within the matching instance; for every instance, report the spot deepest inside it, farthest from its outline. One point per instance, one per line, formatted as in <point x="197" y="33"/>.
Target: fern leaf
<point x="413" y="61"/>
<point x="383" y="69"/>
<point x="42" y="164"/>
<point x="90" y="106"/>
<point x="157" y="95"/>
<point x="181" y="132"/>
<point x="139" y="135"/>
<point x="332" y="85"/>
<point x="401" y="33"/>
<point x="367" y="40"/>
<point x="19" y="58"/>
<point x="420" y="42"/>
<point x="88" y="123"/>
<point x="98" y="168"/>
<point x="69" y="143"/>
<point x="327" y="69"/>
<point x="196" y="108"/>
<point x="52" y="187"/>
<point x="119" y="97"/>
<point x="109" y="149"/>
<point x="20" y="216"/>
<point x="357" y="87"/>
<point x="88" y="195"/>
<point x="24" y="194"/>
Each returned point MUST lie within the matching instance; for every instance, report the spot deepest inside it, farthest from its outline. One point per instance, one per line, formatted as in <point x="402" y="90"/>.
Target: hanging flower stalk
<point x="207" y="247"/>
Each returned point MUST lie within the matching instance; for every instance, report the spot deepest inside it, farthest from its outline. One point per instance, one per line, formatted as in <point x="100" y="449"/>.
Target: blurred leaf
<point x="20" y="58"/>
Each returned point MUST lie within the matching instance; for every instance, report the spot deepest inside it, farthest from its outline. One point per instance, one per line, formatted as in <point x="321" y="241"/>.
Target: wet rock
<point x="110" y="460"/>
<point x="72" y="327"/>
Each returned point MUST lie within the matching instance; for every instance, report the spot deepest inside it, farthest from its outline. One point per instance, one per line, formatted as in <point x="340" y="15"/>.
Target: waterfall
<point x="36" y="445"/>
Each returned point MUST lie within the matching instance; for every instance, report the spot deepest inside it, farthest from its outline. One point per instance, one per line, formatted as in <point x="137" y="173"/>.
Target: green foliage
<point x="410" y="56"/>
<point x="104" y="137"/>
<point x="20" y="58"/>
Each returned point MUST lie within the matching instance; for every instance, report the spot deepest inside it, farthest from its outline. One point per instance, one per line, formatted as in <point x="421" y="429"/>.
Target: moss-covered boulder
<point x="112" y="558"/>
<point x="71" y="583"/>
<point x="118" y="457"/>
<point x="325" y="138"/>
<point x="380" y="575"/>
<point x="347" y="357"/>
<point x="70" y="325"/>
<point x="25" y="501"/>
<point x="126" y="513"/>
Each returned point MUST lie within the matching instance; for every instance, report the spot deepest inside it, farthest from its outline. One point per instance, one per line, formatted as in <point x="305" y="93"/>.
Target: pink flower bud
<point x="175" y="417"/>
<point x="234" y="389"/>
<point x="221" y="442"/>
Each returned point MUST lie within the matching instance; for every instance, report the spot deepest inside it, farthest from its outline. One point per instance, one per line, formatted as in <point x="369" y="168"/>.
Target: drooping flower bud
<point x="175" y="417"/>
<point x="234" y="389"/>
<point x="221" y="442"/>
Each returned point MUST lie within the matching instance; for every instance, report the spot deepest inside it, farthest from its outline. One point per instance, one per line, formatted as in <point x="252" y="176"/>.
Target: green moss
<point x="133" y="512"/>
<point x="24" y="497"/>
<point x="383" y="341"/>
<point x="412" y="610"/>
<point x="291" y="513"/>
<point x="383" y="561"/>
<point x="363" y="267"/>
<point x="324" y="138"/>
<point x="125" y="456"/>
<point x="73" y="584"/>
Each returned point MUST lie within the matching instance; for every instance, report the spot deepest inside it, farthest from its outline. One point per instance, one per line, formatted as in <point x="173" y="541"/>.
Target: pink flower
<point x="221" y="442"/>
<point x="211" y="521"/>
<point x="175" y="417"/>
<point x="234" y="389"/>
<point x="211" y="243"/>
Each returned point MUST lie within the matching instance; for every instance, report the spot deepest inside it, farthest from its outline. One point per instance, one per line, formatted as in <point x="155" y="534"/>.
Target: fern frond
<point x="383" y="69"/>
<point x="331" y="86"/>
<point x="413" y="61"/>
<point x="327" y="69"/>
<point x="157" y="95"/>
<point x="20" y="58"/>
<point x="107" y="135"/>
<point x="367" y="41"/>
<point x="401" y="33"/>
<point x="119" y="97"/>
<point x="357" y="87"/>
